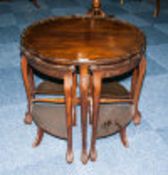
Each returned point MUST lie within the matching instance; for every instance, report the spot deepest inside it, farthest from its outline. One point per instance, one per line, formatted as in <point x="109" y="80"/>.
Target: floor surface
<point x="148" y="151"/>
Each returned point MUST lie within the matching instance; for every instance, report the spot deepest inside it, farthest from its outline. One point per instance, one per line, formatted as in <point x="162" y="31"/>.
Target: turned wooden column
<point x="96" y="4"/>
<point x="96" y="9"/>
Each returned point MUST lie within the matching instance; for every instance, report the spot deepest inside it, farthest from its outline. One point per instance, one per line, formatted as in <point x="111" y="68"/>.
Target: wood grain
<point x="81" y="40"/>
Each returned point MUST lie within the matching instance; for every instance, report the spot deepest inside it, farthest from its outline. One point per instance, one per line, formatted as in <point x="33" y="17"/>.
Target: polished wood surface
<point x="99" y="46"/>
<point x="28" y="80"/>
<point x="81" y="40"/>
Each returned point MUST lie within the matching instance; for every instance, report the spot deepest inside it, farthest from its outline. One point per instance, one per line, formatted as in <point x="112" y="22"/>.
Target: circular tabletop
<point x="82" y="40"/>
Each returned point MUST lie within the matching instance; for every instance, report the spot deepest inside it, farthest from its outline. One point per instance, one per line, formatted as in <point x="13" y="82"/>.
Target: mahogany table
<point x="84" y="42"/>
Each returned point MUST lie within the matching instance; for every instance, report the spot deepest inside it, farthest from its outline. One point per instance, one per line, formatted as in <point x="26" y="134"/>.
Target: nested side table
<point x="85" y="42"/>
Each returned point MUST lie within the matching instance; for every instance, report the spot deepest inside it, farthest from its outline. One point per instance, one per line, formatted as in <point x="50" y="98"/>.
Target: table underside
<point x="112" y="117"/>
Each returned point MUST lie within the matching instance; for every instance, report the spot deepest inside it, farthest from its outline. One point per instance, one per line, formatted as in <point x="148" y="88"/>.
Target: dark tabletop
<point x="78" y="40"/>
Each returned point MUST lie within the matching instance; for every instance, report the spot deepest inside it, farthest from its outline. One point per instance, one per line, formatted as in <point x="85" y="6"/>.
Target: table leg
<point x="133" y="89"/>
<point x="138" y="85"/>
<point x="157" y="8"/>
<point x="123" y="136"/>
<point x="84" y="83"/>
<point x="28" y="79"/>
<point x="74" y="98"/>
<point x="96" y="98"/>
<point x="68" y="81"/>
<point x="90" y="107"/>
<point x="38" y="138"/>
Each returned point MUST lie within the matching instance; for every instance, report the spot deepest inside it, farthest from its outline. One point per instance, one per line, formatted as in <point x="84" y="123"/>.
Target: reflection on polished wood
<point x="81" y="40"/>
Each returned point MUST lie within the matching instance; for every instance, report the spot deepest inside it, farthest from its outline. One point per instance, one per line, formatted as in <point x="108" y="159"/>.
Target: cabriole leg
<point x="74" y="98"/>
<point x="138" y="86"/>
<point x="84" y="83"/>
<point x="38" y="138"/>
<point x="123" y="136"/>
<point x="68" y="100"/>
<point x="27" y="75"/>
<point x="96" y="97"/>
